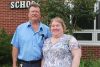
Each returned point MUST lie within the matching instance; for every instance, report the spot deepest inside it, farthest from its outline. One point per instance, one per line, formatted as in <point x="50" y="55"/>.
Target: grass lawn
<point x="84" y="63"/>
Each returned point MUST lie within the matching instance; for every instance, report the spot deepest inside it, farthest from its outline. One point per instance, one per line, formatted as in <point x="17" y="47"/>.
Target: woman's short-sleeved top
<point x="59" y="54"/>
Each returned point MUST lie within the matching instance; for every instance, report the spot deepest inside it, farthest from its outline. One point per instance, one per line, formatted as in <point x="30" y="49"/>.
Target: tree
<point x="53" y="8"/>
<point x="83" y="13"/>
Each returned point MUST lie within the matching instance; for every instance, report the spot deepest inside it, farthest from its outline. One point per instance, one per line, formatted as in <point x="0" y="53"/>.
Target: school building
<point x="14" y="12"/>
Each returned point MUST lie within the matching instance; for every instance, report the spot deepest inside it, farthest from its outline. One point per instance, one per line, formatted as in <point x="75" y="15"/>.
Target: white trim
<point x="84" y="31"/>
<point x="98" y="0"/>
<point x="89" y="44"/>
<point x="92" y="42"/>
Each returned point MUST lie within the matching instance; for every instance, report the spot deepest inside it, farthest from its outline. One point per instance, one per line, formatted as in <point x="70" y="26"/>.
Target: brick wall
<point x="90" y="52"/>
<point x="11" y="18"/>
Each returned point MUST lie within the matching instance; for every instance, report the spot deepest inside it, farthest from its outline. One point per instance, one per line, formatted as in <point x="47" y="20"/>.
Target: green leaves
<point x="5" y="47"/>
<point x="4" y="38"/>
<point x="83" y="13"/>
<point x="53" y="8"/>
<point x="90" y="63"/>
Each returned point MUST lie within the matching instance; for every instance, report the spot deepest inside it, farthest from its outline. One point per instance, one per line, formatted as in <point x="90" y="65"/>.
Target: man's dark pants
<point x="29" y="63"/>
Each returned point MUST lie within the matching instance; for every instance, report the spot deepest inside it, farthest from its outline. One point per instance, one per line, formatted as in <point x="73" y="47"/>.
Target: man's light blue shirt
<point x="29" y="42"/>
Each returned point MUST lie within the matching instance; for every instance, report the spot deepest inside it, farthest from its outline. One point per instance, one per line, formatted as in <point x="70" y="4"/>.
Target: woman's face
<point x="56" y="28"/>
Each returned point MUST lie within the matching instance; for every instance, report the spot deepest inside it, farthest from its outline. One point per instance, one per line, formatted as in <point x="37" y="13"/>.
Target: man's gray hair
<point x="34" y="4"/>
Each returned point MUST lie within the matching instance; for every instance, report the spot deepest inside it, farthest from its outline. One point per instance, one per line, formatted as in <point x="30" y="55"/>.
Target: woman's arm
<point x="42" y="62"/>
<point x="76" y="53"/>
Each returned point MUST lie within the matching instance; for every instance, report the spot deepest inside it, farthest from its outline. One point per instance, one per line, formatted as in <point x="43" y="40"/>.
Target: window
<point x="83" y="36"/>
<point x="90" y="33"/>
<point x="98" y="36"/>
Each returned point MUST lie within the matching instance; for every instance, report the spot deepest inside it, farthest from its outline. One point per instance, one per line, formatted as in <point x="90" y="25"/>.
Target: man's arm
<point x="14" y="56"/>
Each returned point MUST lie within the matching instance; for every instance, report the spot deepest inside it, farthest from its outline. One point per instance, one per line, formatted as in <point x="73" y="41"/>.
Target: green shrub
<point x="6" y="65"/>
<point x="91" y="61"/>
<point x="5" y="47"/>
<point x="88" y="63"/>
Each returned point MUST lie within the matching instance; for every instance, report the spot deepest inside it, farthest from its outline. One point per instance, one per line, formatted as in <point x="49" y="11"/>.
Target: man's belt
<point x="29" y="62"/>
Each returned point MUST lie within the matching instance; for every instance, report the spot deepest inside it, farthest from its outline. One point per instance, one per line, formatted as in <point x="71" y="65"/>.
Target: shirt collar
<point x="40" y="25"/>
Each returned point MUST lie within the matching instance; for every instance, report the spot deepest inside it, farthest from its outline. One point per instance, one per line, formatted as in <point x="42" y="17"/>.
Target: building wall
<point x="11" y="18"/>
<point x="90" y="52"/>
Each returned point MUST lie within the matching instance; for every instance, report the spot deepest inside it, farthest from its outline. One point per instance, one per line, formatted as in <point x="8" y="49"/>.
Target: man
<point x="28" y="40"/>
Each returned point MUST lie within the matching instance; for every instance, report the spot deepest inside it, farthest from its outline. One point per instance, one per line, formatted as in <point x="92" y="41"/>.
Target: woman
<point x="60" y="50"/>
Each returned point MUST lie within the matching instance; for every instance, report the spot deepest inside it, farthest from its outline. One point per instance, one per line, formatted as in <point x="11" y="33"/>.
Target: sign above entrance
<point x="20" y="4"/>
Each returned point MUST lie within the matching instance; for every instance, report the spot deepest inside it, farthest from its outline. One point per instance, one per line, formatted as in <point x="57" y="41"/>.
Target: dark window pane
<point x="83" y="36"/>
<point x="98" y="18"/>
<point x="98" y="36"/>
<point x="85" y="23"/>
<point x="98" y="21"/>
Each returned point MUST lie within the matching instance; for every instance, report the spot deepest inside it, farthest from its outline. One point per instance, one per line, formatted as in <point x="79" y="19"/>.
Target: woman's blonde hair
<point x="61" y="21"/>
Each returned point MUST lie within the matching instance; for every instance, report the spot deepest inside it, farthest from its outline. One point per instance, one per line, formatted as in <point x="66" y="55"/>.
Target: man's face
<point x="34" y="14"/>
